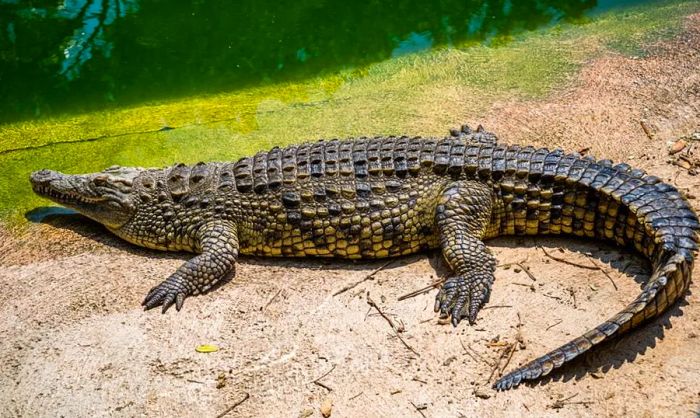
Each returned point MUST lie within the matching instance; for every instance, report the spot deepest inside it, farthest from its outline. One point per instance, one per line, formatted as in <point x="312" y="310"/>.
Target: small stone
<point x="220" y="381"/>
<point x="677" y="147"/>
<point x="481" y="393"/>
<point x="449" y="360"/>
<point x="683" y="164"/>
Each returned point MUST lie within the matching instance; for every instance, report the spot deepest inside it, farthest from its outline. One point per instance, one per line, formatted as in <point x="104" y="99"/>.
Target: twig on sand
<point x="373" y="304"/>
<point x="512" y="349"/>
<point x="272" y="299"/>
<point x="234" y="406"/>
<point x="497" y="363"/>
<point x="318" y="380"/>
<point x="571" y="263"/>
<point x="522" y="267"/>
<point x="554" y="325"/>
<point x="551" y="296"/>
<point x="604" y="272"/>
<point x="560" y="403"/>
<point x="518" y="343"/>
<point x="421" y="290"/>
<point x="507" y="354"/>
<point x="496" y="306"/>
<point x="471" y="353"/>
<point x="356" y="396"/>
<point x="419" y="408"/>
<point x="530" y="286"/>
<point x="594" y="266"/>
<point x="646" y="129"/>
<point x="367" y="277"/>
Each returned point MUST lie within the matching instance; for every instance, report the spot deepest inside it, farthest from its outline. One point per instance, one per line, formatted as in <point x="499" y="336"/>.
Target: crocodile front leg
<point x="218" y="242"/>
<point x="462" y="215"/>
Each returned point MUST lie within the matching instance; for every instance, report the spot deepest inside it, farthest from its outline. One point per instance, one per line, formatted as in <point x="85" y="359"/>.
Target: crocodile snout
<point x="43" y="176"/>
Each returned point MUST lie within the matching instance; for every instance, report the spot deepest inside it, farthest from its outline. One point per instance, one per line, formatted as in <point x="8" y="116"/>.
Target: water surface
<point x="73" y="56"/>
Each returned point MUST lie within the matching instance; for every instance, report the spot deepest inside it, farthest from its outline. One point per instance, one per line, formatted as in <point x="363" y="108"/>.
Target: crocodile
<point x="369" y="198"/>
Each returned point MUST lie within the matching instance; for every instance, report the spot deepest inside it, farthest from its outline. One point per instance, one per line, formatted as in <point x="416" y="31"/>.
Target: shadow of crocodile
<point x="70" y="220"/>
<point x="614" y="353"/>
<point x="610" y="354"/>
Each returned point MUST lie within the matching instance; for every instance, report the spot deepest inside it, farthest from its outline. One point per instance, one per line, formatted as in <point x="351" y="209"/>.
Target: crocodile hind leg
<point x="462" y="215"/>
<point x="218" y="244"/>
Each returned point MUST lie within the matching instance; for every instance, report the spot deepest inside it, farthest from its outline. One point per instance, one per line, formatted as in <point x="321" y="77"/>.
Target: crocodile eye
<point x="100" y="181"/>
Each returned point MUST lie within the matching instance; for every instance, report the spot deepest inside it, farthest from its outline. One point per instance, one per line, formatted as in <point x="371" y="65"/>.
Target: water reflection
<point x="37" y="215"/>
<point x="414" y="42"/>
<point x="95" y="16"/>
<point x="81" y="55"/>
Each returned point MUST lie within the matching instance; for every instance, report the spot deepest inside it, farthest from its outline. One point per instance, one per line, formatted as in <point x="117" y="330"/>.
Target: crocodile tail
<point x="668" y="238"/>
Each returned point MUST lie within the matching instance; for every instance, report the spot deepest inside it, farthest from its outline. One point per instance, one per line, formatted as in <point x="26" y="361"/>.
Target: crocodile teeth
<point x="64" y="197"/>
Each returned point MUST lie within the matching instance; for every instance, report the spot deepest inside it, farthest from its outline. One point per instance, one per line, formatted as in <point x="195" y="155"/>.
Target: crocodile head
<point x="105" y="197"/>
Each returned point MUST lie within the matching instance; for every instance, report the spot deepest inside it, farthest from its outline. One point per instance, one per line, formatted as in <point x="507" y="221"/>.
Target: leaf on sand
<point x="327" y="407"/>
<point x="206" y="348"/>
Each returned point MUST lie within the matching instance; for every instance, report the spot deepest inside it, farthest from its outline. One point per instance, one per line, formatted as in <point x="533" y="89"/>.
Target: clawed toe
<point x="166" y="295"/>
<point x="460" y="298"/>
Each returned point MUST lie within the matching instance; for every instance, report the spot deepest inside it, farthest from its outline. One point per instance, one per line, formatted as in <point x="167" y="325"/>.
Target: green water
<point x="73" y="56"/>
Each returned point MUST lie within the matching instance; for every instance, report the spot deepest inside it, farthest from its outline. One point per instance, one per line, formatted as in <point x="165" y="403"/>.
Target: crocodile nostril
<point x="42" y="176"/>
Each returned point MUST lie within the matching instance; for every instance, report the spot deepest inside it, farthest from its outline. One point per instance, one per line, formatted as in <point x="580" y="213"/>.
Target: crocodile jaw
<point x="79" y="192"/>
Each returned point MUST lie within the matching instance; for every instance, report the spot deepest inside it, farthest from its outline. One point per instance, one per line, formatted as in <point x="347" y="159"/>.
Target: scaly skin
<point x="385" y="197"/>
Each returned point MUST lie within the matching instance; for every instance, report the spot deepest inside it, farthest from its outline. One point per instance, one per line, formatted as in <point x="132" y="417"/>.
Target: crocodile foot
<point x="462" y="297"/>
<point x="174" y="290"/>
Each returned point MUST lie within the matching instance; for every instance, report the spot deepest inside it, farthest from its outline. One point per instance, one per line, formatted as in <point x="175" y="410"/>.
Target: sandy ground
<point x="74" y="341"/>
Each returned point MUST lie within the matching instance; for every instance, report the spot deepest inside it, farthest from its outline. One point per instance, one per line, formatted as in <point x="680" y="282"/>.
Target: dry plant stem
<point x="318" y="380"/>
<point x="497" y="363"/>
<point x="418" y="409"/>
<point x="234" y="406"/>
<point x="373" y="304"/>
<point x="604" y="272"/>
<point x="514" y="346"/>
<point x="367" y="277"/>
<point x="272" y="299"/>
<point x="646" y="130"/>
<point x="554" y="324"/>
<point x="422" y="290"/>
<point x="571" y="263"/>
<point x="507" y="354"/>
<point x="472" y="353"/>
<point x="356" y="396"/>
<point x="512" y="349"/>
<point x="563" y="402"/>
<point x="523" y="268"/>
